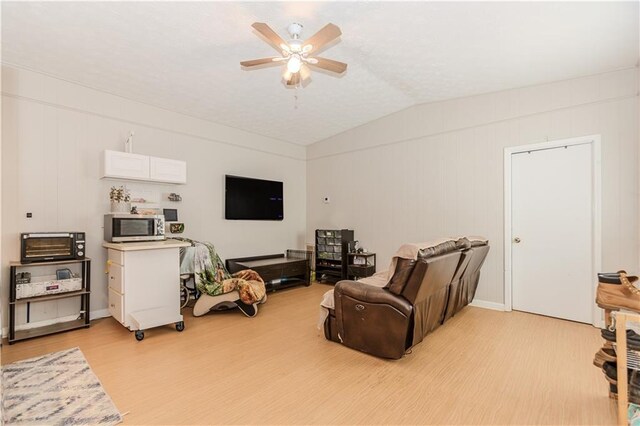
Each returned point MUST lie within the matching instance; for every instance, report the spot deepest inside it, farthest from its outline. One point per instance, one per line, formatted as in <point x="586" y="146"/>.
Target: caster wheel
<point x="139" y="335"/>
<point x="180" y="326"/>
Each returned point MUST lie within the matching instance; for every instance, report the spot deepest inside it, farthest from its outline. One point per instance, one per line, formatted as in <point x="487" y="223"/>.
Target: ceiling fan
<point x="296" y="53"/>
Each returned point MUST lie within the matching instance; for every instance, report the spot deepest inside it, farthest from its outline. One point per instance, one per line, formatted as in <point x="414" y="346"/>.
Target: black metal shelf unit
<point x="332" y="246"/>
<point x="84" y="294"/>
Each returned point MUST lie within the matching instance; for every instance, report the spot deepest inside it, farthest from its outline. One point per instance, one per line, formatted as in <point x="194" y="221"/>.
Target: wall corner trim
<point x="487" y="305"/>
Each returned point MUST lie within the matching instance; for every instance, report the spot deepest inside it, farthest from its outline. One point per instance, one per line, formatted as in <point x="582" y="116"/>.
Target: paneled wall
<point x="437" y="169"/>
<point x="53" y="135"/>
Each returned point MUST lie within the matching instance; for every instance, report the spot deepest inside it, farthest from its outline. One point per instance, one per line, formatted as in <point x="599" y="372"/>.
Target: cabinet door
<point x="166" y="170"/>
<point x="116" y="278"/>
<point x="126" y="166"/>
<point x="116" y="305"/>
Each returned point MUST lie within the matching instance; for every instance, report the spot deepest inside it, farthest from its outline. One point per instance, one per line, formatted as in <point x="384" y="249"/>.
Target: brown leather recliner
<point x="421" y="295"/>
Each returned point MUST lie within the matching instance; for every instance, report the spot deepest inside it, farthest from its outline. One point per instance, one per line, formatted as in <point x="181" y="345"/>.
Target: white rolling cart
<point x="144" y="280"/>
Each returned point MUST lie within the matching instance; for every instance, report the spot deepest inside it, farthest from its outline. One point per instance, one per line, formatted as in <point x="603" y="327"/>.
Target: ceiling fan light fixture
<point x="294" y="64"/>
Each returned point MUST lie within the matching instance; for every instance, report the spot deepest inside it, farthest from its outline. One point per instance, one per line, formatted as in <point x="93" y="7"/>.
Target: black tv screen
<point x="252" y="199"/>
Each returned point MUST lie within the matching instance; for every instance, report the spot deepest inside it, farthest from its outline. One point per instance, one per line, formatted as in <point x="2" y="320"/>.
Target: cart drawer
<point x="116" y="256"/>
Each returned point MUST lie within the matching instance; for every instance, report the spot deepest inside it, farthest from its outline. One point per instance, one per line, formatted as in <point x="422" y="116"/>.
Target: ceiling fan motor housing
<point x="295" y="30"/>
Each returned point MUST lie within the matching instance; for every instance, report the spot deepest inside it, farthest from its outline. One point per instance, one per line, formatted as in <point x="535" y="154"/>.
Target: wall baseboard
<point x="487" y="305"/>
<point x="100" y="313"/>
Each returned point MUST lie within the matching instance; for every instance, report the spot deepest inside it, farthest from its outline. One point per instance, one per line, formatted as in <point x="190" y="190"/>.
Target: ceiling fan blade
<point x="256" y="62"/>
<point x="272" y="37"/>
<point x="326" y="35"/>
<point x="329" y="65"/>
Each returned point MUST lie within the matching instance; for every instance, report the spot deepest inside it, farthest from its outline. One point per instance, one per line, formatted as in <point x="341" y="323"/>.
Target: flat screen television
<point x="252" y="199"/>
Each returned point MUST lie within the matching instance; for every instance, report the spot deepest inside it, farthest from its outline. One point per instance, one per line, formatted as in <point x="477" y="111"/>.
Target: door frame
<point x="596" y="173"/>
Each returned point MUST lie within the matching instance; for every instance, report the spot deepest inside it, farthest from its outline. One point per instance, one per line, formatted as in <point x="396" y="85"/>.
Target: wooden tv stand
<point x="277" y="270"/>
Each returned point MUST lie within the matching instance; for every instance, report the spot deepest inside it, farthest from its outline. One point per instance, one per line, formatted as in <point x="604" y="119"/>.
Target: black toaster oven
<point x="51" y="246"/>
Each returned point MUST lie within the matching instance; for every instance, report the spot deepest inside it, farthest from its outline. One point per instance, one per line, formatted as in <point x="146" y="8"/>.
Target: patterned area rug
<point x="56" y="389"/>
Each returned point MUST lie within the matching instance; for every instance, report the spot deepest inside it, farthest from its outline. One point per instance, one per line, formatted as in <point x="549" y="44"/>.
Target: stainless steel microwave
<point x="51" y="246"/>
<point x="124" y="227"/>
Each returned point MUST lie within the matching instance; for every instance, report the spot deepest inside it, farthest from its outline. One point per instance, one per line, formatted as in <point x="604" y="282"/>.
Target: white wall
<point x="53" y="135"/>
<point x="428" y="171"/>
<point x="437" y="169"/>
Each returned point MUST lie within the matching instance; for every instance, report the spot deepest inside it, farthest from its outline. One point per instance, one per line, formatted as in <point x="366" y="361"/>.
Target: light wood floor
<point x="482" y="367"/>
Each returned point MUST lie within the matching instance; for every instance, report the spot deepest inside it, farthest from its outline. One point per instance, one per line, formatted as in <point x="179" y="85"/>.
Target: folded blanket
<point x="249" y="284"/>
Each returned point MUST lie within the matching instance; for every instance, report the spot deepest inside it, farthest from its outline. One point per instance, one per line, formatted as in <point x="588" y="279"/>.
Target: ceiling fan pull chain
<point x="295" y="97"/>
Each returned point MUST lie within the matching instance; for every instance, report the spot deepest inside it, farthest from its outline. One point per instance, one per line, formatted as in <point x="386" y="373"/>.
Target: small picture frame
<point x="176" y="228"/>
<point x="170" y="215"/>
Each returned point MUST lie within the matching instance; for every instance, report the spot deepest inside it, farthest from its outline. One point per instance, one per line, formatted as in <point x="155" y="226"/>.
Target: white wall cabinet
<point x="166" y="170"/>
<point x="124" y="165"/>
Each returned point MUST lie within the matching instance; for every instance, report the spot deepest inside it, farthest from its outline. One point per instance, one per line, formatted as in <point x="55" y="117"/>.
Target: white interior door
<point x="552" y="232"/>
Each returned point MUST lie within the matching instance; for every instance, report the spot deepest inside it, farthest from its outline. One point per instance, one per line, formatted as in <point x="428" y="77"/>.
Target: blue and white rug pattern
<point x="55" y="389"/>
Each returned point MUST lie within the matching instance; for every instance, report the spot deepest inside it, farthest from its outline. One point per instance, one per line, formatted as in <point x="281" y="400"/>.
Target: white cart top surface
<point x="146" y="245"/>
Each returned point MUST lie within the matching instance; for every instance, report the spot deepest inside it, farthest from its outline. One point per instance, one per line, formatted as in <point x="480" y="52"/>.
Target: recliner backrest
<point x="472" y="274"/>
<point x="430" y="275"/>
<point x="428" y="291"/>
<point x="478" y="259"/>
<point x="404" y="269"/>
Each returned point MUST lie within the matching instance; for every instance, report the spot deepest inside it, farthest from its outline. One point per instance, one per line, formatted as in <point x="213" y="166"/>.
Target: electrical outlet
<point x="29" y="215"/>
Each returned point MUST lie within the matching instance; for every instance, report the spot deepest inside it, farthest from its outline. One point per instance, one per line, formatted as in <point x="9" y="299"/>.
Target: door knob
<point x="517" y="240"/>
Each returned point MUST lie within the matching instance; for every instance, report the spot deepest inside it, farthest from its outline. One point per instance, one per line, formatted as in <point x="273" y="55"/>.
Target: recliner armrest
<point x="373" y="294"/>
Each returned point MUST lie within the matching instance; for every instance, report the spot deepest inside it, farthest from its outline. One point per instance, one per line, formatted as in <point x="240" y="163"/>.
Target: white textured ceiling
<point x="184" y="56"/>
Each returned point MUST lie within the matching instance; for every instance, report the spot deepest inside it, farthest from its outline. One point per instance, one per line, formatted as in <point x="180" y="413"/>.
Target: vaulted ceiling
<point x="184" y="56"/>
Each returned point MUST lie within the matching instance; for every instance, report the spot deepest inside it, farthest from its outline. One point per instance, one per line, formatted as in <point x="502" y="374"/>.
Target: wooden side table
<point x="360" y="265"/>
